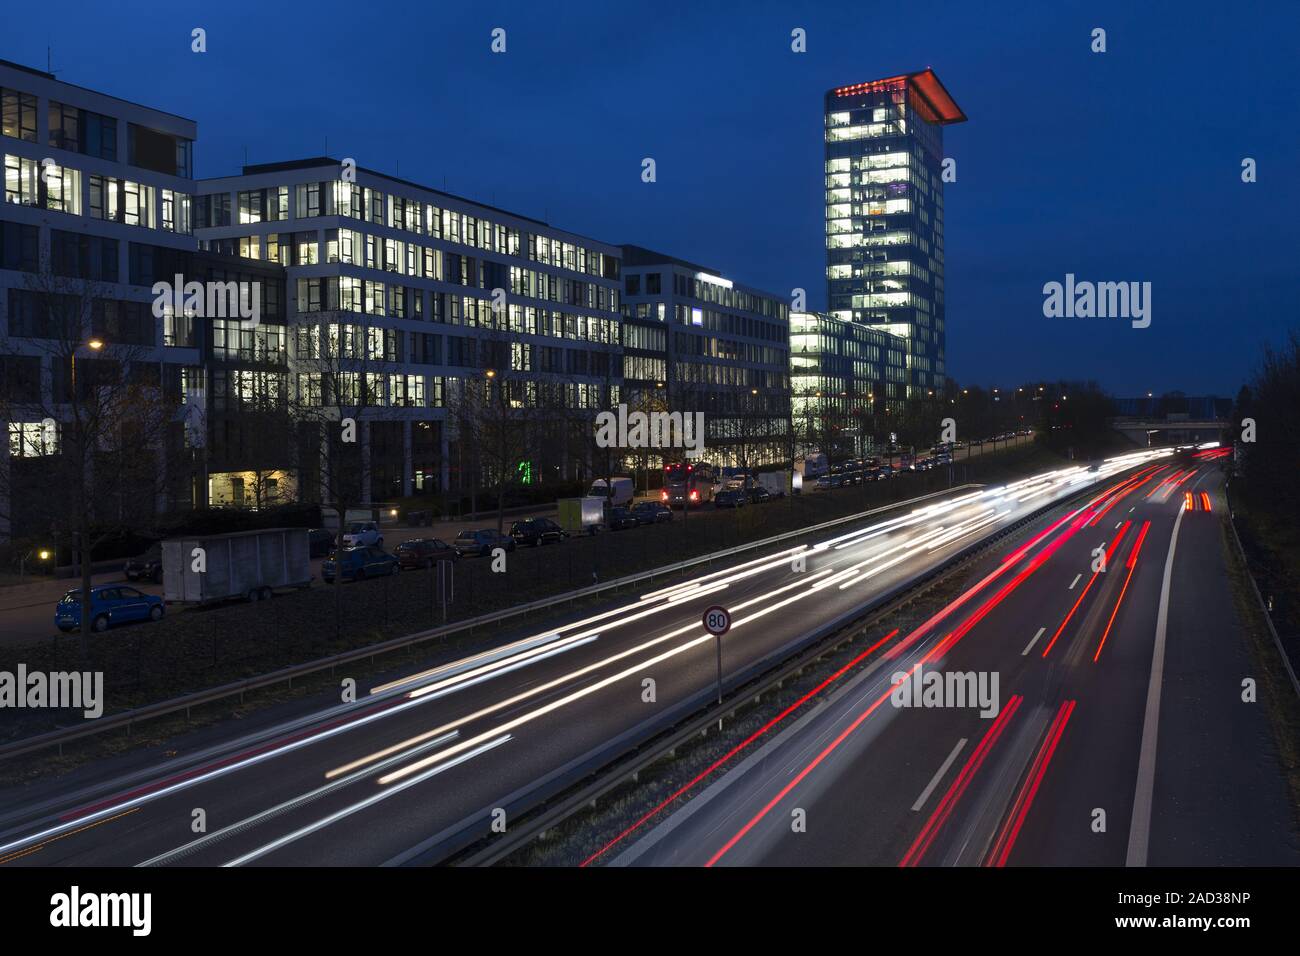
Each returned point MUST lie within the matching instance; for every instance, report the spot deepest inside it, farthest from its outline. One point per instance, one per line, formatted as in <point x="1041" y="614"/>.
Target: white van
<point x="623" y="491"/>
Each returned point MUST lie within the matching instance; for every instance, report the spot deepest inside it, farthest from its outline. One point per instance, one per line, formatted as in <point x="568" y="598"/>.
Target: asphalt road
<point x="1120" y="736"/>
<point x="409" y="764"/>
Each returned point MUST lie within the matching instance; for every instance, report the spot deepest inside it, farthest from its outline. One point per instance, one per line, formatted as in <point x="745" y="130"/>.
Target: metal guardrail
<point x="699" y="711"/>
<point x="127" y="719"/>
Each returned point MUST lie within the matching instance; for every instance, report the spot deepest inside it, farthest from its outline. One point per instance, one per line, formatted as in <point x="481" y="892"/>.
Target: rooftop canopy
<point x="936" y="102"/>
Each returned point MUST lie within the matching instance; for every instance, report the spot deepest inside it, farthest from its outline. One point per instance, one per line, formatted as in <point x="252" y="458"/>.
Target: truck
<point x="774" y="481"/>
<point x="623" y="490"/>
<point x="580" y="515"/>
<point x="812" y="465"/>
<point x="245" y="565"/>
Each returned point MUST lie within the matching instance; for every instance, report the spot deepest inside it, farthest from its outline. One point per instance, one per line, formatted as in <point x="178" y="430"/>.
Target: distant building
<point x="700" y="342"/>
<point x="841" y="372"/>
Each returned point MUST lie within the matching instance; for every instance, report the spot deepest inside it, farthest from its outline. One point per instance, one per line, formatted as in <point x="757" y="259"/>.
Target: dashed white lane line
<point x="934" y="781"/>
<point x="1030" y="646"/>
<point x="1075" y="581"/>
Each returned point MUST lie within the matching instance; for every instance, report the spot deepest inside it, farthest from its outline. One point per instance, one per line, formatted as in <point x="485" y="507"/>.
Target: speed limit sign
<point x="717" y="620"/>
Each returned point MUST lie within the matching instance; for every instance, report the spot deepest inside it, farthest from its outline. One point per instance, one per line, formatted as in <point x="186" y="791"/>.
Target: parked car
<point x="652" y="512"/>
<point x="481" y="542"/>
<point x="888" y="471"/>
<point x="759" y="495"/>
<point x="145" y="567"/>
<point x="320" y="542"/>
<point x="357" y="564"/>
<point x="730" y="499"/>
<point x="424" y="553"/>
<point x="537" y="531"/>
<point x="109" y="604"/>
<point x="620" y="518"/>
<point x="363" y="533"/>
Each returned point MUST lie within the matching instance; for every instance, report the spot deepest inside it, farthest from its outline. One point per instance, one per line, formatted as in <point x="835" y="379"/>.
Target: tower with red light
<point x="884" y="217"/>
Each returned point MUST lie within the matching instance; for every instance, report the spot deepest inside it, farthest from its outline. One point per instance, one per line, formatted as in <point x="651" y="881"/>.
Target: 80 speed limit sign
<point x="717" y="620"/>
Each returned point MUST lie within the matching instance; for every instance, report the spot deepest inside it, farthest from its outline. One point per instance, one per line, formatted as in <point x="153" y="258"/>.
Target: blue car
<point x="109" y="604"/>
<point x="359" y="563"/>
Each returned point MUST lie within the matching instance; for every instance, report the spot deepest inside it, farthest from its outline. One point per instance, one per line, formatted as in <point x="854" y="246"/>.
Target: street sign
<point x="717" y="620"/>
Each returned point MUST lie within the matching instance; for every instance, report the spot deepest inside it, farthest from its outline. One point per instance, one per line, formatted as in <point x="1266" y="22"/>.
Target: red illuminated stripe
<point x="1205" y="500"/>
<point x="739" y="747"/>
<point x="958" y="787"/>
<point x="1109" y="552"/>
<point x="1007" y="839"/>
<point x="830" y="748"/>
<point x="1132" y="565"/>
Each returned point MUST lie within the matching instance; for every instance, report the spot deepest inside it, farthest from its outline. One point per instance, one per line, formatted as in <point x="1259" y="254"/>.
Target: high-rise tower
<point x="884" y="215"/>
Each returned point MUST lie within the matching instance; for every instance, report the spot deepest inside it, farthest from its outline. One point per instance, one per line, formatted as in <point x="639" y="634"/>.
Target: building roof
<point x="924" y="83"/>
<point x="315" y="161"/>
<point x="50" y="76"/>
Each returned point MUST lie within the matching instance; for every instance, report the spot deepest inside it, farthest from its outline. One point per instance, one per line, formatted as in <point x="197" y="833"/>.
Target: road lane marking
<point x="62" y="836"/>
<point x="363" y="804"/>
<point x="295" y="803"/>
<point x="943" y="769"/>
<point x="1139" y="831"/>
<point x="1118" y="523"/>
<point x="1030" y="646"/>
<point x="1075" y="581"/>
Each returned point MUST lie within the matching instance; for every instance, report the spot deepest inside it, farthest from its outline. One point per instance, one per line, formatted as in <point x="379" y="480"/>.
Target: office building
<point x="884" y="215"/>
<point x="397" y="282"/>
<point x="696" y="341"/>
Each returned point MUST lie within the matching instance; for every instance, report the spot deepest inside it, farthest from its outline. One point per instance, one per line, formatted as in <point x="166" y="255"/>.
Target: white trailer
<point x="775" y="482"/>
<point x="200" y="569"/>
<point x="623" y="490"/>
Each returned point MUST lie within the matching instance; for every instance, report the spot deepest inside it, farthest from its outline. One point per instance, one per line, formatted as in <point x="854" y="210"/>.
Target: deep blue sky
<point x="1115" y="166"/>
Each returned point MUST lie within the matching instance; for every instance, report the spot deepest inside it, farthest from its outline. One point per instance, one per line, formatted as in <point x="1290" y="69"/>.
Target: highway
<point x="1120" y="736"/>
<point x="420" y="760"/>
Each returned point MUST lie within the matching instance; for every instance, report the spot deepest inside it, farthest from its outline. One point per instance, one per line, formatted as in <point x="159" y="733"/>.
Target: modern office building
<point x="96" y="190"/>
<point x="696" y="341"/>
<point x="884" y="215"/>
<point x="841" y="373"/>
<point x="398" y="282"/>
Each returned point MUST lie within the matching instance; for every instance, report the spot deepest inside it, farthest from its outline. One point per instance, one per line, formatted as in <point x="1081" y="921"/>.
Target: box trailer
<point x="622" y="494"/>
<point x="200" y="569"/>
<point x="775" y="482"/>
<point x="579" y="515"/>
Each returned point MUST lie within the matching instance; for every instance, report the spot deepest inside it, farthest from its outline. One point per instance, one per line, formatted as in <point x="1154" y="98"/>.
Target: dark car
<point x="145" y="567"/>
<point x="730" y="499"/>
<point x="482" y="542"/>
<point x="359" y="563"/>
<point x="758" y="495"/>
<point x="619" y="518"/>
<point x="652" y="512"/>
<point x="320" y="542"/>
<point x="535" y="531"/>
<point x="424" y="553"/>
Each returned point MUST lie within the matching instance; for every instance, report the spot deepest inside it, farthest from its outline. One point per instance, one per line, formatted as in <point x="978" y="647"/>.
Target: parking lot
<point x="27" y="609"/>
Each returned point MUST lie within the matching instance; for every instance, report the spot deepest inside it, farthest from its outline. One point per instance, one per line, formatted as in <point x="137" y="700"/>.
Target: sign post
<point x="717" y="621"/>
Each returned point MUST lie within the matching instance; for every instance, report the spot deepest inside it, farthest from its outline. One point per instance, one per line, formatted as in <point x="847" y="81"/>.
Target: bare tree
<point x="342" y="368"/>
<point x="86" y="419"/>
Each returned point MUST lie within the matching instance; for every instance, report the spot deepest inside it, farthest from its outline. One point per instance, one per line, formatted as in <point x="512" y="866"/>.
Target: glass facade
<point x="884" y="216"/>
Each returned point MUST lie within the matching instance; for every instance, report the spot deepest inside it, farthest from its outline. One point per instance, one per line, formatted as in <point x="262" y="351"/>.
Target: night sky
<point x="1117" y="166"/>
